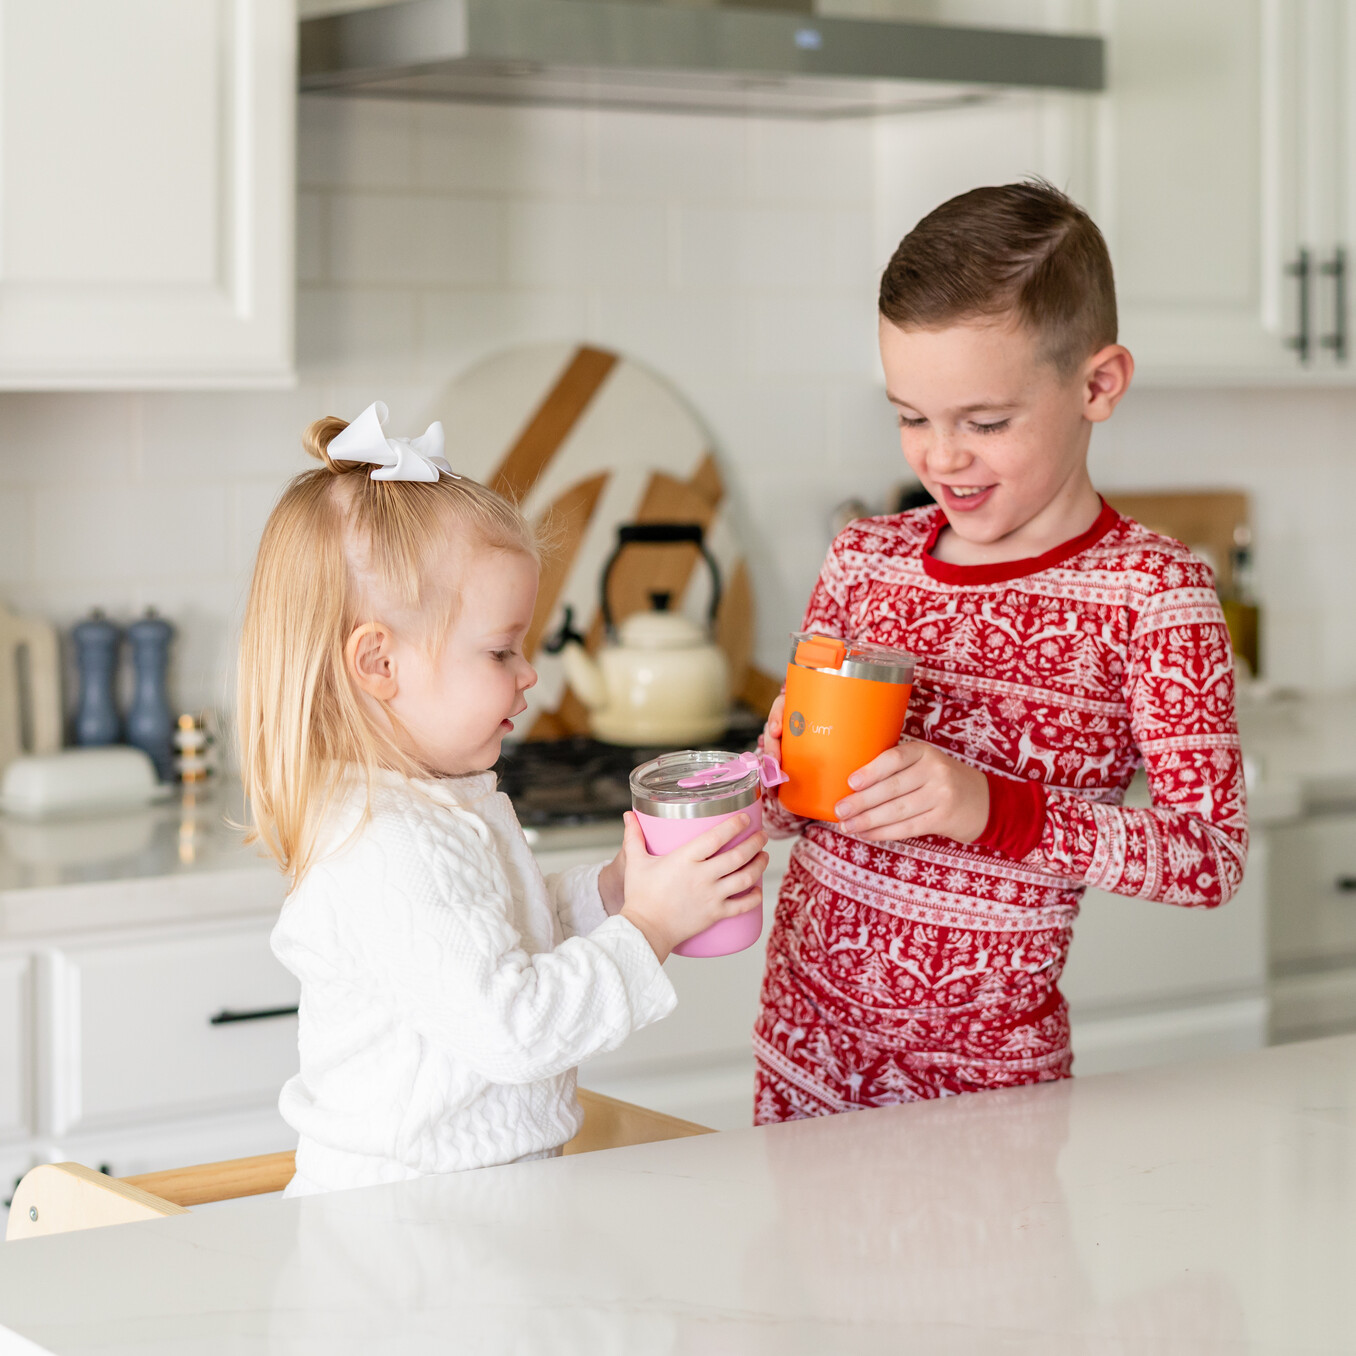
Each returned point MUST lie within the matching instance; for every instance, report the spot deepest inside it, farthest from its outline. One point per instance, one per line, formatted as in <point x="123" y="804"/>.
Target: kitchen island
<point x="1198" y="1208"/>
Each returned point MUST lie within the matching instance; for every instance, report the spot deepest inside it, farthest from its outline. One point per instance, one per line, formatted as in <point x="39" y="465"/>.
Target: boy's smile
<point x="997" y="434"/>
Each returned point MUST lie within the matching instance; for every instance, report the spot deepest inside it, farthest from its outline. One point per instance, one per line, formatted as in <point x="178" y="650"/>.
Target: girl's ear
<point x="369" y="661"/>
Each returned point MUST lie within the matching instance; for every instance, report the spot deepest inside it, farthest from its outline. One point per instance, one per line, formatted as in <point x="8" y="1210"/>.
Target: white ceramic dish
<point x="78" y="781"/>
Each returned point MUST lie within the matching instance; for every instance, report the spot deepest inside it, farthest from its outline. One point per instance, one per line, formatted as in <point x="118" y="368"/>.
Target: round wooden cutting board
<point x="586" y="440"/>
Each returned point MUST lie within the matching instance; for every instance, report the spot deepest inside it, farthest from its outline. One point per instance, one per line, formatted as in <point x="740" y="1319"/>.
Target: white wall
<point x="737" y="257"/>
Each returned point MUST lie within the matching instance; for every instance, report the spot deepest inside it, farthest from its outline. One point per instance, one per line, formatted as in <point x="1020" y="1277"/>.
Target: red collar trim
<point x="1004" y="570"/>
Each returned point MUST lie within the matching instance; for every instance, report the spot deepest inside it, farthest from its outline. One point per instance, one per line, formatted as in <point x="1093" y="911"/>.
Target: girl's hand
<point x="612" y="884"/>
<point x="772" y="734"/>
<point x="913" y="789"/>
<point x="678" y="895"/>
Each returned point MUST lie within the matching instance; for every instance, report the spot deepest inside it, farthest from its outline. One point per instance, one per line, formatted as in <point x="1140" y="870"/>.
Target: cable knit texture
<point x="447" y="990"/>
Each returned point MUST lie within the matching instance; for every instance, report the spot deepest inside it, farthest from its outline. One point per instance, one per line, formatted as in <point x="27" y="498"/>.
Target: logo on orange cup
<point x="797" y="723"/>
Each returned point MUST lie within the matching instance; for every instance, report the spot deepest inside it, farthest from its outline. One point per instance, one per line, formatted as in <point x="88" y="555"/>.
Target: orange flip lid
<point x="821" y="652"/>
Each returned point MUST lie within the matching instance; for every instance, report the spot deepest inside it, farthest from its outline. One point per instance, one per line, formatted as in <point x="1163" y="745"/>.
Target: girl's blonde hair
<point x="336" y="545"/>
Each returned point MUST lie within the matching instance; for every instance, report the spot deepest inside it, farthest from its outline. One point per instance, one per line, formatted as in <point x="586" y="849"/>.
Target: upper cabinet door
<point x="1206" y="145"/>
<point x="146" y="193"/>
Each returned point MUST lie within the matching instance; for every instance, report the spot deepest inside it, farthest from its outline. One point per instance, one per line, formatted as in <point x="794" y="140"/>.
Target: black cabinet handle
<point x="1336" y="269"/>
<point x="1302" y="271"/>
<point x="1347" y="884"/>
<point x="252" y="1015"/>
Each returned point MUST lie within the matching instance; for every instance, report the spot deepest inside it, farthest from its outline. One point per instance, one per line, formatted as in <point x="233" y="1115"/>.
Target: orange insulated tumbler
<point x="845" y="703"/>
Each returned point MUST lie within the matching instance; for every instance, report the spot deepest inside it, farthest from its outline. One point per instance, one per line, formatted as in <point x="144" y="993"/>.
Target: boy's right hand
<point x="680" y="894"/>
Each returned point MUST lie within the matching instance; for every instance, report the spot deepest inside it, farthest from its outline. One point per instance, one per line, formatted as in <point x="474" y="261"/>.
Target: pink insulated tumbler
<point x="680" y="795"/>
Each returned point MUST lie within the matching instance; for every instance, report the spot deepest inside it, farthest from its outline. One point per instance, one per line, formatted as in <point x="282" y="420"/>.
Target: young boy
<point x="919" y="941"/>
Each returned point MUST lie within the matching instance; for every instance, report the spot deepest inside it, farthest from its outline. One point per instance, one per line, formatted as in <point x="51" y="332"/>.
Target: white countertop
<point x="1200" y="1208"/>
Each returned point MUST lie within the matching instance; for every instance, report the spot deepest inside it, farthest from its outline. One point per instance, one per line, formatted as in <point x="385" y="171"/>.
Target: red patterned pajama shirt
<point x="909" y="970"/>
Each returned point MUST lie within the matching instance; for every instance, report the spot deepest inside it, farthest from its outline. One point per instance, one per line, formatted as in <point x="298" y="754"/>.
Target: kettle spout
<point x="584" y="675"/>
<point x="581" y="672"/>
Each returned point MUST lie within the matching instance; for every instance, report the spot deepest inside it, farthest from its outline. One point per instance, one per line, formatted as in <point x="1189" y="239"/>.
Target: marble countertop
<point x="1204" y="1208"/>
<point x="163" y="863"/>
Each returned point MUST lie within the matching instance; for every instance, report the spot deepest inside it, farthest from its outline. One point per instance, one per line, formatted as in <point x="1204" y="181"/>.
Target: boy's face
<point x="995" y="432"/>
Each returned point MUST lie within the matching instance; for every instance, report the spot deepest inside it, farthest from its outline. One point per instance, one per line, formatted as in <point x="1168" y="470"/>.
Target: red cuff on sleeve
<point x="1016" y="816"/>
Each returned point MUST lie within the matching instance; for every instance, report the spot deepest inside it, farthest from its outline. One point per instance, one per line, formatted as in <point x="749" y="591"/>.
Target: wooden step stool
<point x="55" y="1198"/>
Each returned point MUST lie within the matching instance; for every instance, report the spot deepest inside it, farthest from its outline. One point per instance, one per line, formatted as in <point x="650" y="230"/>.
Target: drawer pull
<point x="263" y="1014"/>
<point x="1347" y="884"/>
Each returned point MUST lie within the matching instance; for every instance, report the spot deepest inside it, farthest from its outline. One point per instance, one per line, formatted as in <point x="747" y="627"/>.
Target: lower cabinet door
<point x="1312" y="922"/>
<point x="16" y="1046"/>
<point x="176" y="1025"/>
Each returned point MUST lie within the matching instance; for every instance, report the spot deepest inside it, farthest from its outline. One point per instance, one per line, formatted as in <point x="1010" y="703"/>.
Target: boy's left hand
<point x="914" y="789"/>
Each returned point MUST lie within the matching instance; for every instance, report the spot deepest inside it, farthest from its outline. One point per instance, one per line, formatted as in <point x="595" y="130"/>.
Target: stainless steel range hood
<point x="711" y="59"/>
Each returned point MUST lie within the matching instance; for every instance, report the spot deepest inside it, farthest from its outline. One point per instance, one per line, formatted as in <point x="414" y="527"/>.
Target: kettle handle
<point x="661" y="534"/>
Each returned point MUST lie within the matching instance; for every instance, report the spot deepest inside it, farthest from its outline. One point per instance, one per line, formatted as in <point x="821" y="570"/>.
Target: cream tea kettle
<point x="659" y="678"/>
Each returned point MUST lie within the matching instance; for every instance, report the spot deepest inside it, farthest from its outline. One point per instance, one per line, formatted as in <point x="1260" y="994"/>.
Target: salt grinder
<point x="149" y="724"/>
<point x="96" y="658"/>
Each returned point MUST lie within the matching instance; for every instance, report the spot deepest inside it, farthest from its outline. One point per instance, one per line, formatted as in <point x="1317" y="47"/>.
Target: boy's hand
<point x="772" y="734"/>
<point x="913" y="789"/>
<point x="680" y="894"/>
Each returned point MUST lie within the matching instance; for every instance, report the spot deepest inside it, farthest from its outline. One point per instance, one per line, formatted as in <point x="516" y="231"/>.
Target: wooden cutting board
<point x="586" y="440"/>
<point x="1203" y="520"/>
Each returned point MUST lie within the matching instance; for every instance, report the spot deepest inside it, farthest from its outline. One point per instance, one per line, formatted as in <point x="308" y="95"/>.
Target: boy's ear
<point x="369" y="661"/>
<point x="1106" y="378"/>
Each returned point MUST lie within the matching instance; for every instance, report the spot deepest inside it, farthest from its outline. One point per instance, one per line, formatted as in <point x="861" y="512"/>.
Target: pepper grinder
<point x="149" y="725"/>
<point x="96" y="657"/>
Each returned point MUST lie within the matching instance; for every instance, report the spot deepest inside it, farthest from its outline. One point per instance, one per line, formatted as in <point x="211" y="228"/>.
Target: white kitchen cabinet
<point x="146" y="193"/>
<point x="1151" y="983"/>
<point x="149" y="1027"/>
<point x="1312" y="932"/>
<point x="1222" y="174"/>
<point x="16" y="1047"/>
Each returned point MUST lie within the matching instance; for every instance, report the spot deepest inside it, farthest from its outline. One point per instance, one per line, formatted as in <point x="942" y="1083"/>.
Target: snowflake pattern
<point x="927" y="967"/>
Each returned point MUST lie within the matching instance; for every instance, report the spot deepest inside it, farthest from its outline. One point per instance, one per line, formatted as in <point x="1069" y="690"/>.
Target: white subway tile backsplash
<point x="813" y="336"/>
<point x="355" y="143"/>
<point x="16" y="536"/>
<point x="830" y="164"/>
<point x="192" y="437"/>
<point x="692" y="339"/>
<point x="126" y="532"/>
<point x="756" y="248"/>
<point x="312" y="237"/>
<point x="460" y="326"/>
<point x="414" y="239"/>
<point x="518" y="152"/>
<point x="657" y="156"/>
<point x="250" y="503"/>
<point x="49" y="438"/>
<point x="593" y="244"/>
<point x="356" y="331"/>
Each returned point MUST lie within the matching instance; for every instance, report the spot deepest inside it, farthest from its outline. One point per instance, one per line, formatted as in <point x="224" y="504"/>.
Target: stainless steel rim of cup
<point x="871" y="672"/>
<point x="699" y="802"/>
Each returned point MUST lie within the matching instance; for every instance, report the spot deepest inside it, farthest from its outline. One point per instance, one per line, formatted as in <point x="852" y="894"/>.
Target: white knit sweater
<point x="447" y="990"/>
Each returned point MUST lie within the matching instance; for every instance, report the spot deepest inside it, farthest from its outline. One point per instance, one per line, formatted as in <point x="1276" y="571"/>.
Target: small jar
<point x="671" y="815"/>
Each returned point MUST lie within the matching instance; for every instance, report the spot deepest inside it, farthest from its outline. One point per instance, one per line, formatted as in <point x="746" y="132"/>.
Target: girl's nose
<point x="529" y="679"/>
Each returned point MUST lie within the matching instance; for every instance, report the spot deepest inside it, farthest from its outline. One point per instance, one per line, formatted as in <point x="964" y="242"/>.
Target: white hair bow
<point x="395" y="458"/>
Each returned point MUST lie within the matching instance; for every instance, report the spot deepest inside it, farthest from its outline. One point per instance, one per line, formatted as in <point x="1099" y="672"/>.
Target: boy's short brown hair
<point x="1025" y="248"/>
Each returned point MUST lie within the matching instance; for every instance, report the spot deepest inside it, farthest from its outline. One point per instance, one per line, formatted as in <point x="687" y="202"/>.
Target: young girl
<point x="447" y="990"/>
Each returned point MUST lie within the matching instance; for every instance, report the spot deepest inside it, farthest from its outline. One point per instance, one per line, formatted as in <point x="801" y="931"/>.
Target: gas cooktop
<point x="574" y="783"/>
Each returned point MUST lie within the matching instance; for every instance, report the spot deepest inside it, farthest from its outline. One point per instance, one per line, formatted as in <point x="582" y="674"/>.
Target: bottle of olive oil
<point x="1240" y="605"/>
